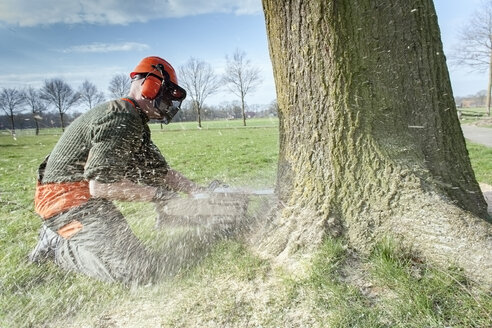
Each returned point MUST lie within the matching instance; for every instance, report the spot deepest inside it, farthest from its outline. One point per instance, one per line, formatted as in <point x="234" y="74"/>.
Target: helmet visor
<point x="169" y="90"/>
<point x="169" y="100"/>
<point x="173" y="91"/>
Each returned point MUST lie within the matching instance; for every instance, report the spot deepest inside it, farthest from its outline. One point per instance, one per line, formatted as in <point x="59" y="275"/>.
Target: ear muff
<point x="150" y="87"/>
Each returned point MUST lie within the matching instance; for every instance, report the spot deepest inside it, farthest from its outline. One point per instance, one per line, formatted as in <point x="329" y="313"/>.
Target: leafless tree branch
<point x="59" y="94"/>
<point x="241" y="77"/>
<point x="200" y="81"/>
<point x="11" y="101"/>
<point x="119" y="86"/>
<point x="90" y="95"/>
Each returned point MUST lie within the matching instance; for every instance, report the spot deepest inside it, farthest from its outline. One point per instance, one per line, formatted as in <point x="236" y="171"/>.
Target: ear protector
<point x="166" y="96"/>
<point x="151" y="87"/>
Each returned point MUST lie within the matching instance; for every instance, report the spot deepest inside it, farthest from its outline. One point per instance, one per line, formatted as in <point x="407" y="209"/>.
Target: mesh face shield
<point x="169" y="99"/>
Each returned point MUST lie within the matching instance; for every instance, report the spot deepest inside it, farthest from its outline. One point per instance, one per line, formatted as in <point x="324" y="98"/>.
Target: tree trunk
<point x="12" y="123"/>
<point x="489" y="86"/>
<point x="62" y="121"/>
<point x="37" y="126"/>
<point x="243" y="110"/>
<point x="198" y="114"/>
<point x="370" y="142"/>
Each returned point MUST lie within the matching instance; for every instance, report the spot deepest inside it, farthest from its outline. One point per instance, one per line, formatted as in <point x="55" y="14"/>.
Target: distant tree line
<point x="225" y="111"/>
<point x="475" y="49"/>
<point x="52" y="105"/>
<point x="47" y="106"/>
<point x="477" y="100"/>
<point x="25" y="120"/>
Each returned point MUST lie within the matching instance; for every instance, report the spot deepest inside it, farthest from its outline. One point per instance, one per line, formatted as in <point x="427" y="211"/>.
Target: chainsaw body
<point x="221" y="207"/>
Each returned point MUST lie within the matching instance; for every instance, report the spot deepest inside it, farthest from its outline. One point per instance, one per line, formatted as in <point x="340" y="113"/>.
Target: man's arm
<point x="179" y="183"/>
<point x="124" y="190"/>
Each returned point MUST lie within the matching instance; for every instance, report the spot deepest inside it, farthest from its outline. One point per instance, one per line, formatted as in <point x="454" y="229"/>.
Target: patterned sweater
<point x="109" y="143"/>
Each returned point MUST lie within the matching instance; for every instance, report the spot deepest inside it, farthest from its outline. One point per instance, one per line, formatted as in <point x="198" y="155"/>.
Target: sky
<point x="96" y="39"/>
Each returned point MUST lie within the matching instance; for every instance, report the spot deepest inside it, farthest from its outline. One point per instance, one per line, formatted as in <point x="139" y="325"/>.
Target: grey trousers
<point x="105" y="248"/>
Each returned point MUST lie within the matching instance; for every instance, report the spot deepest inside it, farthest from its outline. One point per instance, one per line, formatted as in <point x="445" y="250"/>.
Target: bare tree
<point x="241" y="77"/>
<point x="273" y="108"/>
<point x="90" y="95"/>
<point x="475" y="47"/>
<point x="11" y="101"/>
<point x="200" y="81"/>
<point x="35" y="105"/>
<point x="119" y="86"/>
<point x="370" y="143"/>
<point x="59" y="94"/>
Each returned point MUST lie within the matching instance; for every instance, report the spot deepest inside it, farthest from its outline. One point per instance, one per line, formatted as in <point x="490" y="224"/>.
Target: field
<point x="232" y="287"/>
<point x="474" y="115"/>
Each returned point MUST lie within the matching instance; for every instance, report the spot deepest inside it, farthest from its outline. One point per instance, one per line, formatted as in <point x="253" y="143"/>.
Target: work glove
<point x="216" y="184"/>
<point x="204" y="192"/>
<point x="161" y="197"/>
<point x="163" y="194"/>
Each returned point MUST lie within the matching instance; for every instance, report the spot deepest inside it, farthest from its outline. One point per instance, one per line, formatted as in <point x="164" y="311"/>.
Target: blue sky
<point x="96" y="39"/>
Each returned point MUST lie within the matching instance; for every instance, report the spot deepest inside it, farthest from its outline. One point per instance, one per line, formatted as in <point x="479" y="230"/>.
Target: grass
<point x="425" y="296"/>
<point x="32" y="295"/>
<point x="222" y="124"/>
<point x="391" y="289"/>
<point x="233" y="155"/>
<point x="231" y="287"/>
<point x="474" y="115"/>
<point x="481" y="159"/>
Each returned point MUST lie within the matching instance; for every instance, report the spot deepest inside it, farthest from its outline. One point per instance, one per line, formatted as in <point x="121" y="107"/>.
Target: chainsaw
<point x="216" y="206"/>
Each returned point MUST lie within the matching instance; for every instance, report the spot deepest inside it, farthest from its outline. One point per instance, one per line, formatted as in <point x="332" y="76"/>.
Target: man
<point x="104" y="155"/>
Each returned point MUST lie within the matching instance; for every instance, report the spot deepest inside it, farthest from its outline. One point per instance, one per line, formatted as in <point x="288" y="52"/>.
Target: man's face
<point x="164" y="106"/>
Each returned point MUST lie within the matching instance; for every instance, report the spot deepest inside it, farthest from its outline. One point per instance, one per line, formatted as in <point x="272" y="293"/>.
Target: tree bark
<point x="62" y="121"/>
<point x="198" y="113"/>
<point x="370" y="142"/>
<point x="37" y="126"/>
<point x="12" y="122"/>
<point x="243" y="109"/>
<point x="489" y="85"/>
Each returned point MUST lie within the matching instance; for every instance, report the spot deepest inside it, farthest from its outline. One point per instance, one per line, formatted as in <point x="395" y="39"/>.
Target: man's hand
<point x="216" y="184"/>
<point x="179" y="183"/>
<point x="163" y="194"/>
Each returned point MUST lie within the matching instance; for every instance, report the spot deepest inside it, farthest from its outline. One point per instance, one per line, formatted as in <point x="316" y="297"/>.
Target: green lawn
<point x="473" y="115"/>
<point x="222" y="124"/>
<point x="30" y="295"/>
<point x="226" y="152"/>
<point x="231" y="287"/>
<point x="481" y="159"/>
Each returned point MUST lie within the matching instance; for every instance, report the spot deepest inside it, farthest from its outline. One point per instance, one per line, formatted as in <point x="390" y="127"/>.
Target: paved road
<point x="487" y="194"/>
<point x="482" y="136"/>
<point x="477" y="134"/>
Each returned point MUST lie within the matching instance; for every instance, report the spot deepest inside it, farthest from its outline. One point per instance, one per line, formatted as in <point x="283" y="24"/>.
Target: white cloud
<point x="107" y="47"/>
<point x="72" y="74"/>
<point x="45" y="12"/>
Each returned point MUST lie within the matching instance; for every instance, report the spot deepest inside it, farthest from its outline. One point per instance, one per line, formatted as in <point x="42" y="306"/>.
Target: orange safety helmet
<point x="160" y="84"/>
<point x="147" y="65"/>
<point x="158" y="72"/>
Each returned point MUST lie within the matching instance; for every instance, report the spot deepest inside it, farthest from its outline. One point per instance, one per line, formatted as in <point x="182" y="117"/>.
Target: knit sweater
<point x="108" y="143"/>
